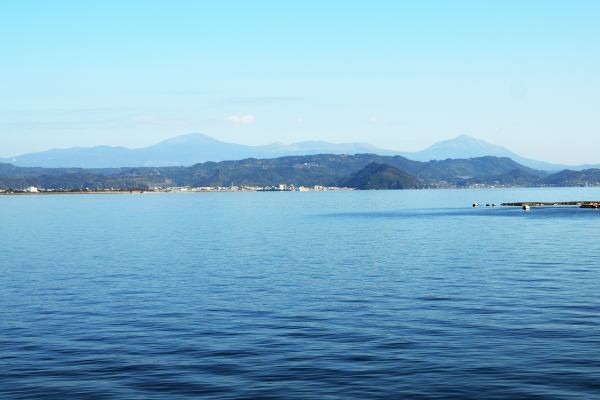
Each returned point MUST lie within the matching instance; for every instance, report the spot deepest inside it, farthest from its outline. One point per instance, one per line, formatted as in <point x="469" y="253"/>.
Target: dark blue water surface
<point x="400" y="294"/>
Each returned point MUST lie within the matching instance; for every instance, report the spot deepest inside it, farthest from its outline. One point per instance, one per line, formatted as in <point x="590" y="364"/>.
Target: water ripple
<point x="298" y="297"/>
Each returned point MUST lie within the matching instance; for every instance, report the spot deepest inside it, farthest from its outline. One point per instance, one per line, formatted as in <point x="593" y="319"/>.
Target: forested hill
<point x="324" y="169"/>
<point x="382" y="176"/>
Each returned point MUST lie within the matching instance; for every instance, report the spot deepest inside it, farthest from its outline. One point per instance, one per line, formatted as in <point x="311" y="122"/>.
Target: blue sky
<point x="397" y="74"/>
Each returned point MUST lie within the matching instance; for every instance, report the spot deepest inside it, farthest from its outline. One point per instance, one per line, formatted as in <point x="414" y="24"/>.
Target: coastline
<point x="151" y="191"/>
<point x="70" y="192"/>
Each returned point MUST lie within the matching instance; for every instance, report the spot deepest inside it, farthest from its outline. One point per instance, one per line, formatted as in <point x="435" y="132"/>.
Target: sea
<point x="410" y="294"/>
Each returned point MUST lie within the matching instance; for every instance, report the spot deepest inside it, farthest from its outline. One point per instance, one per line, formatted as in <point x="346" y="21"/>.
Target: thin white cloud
<point x="241" y="119"/>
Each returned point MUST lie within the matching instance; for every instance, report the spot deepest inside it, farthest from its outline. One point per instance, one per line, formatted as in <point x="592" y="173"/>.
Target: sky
<point x="396" y="74"/>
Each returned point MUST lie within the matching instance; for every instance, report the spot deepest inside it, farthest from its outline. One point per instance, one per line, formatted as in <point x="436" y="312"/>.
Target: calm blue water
<point x="399" y="294"/>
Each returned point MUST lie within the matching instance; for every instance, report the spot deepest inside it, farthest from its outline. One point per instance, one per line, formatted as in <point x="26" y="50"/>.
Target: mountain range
<point x="187" y="150"/>
<point x="184" y="150"/>
<point x="361" y="171"/>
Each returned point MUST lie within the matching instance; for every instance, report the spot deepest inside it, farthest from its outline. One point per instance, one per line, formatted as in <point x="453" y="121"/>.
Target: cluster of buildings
<point x="233" y="188"/>
<point x="30" y="189"/>
<point x="177" y="189"/>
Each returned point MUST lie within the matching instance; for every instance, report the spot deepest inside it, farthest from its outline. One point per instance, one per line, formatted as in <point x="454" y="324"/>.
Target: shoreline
<point x="140" y="191"/>
<point x="88" y="192"/>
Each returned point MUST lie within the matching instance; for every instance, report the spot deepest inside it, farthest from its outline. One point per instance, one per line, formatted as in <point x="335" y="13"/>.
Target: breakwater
<point x="582" y="204"/>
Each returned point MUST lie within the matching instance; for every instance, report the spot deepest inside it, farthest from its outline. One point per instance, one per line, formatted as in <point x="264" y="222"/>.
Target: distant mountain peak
<point x="465" y="137"/>
<point x="190" y="138"/>
<point x="466" y="140"/>
<point x="462" y="146"/>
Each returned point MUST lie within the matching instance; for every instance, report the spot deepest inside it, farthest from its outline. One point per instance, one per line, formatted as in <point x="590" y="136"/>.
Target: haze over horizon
<point x="396" y="76"/>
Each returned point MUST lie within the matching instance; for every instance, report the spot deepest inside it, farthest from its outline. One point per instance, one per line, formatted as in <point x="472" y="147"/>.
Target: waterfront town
<point x="178" y="189"/>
